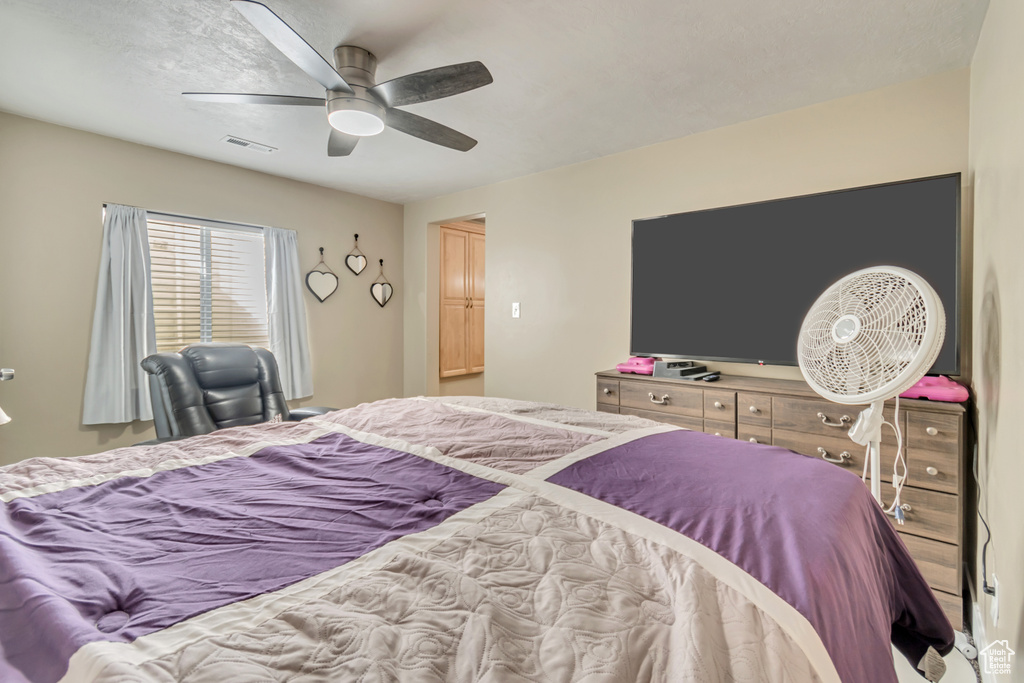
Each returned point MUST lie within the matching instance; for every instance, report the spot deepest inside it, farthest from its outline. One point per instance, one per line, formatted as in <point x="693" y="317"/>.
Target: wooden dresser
<point x="788" y="413"/>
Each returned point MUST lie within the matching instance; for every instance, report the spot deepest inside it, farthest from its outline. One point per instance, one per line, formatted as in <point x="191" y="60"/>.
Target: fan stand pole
<point x="875" y="460"/>
<point x="867" y="431"/>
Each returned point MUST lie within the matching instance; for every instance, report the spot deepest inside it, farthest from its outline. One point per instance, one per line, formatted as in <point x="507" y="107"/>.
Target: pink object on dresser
<point x="637" y="366"/>
<point x="938" y="388"/>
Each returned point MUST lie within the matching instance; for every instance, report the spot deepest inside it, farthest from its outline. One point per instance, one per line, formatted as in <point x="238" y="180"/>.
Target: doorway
<point x="461" y="307"/>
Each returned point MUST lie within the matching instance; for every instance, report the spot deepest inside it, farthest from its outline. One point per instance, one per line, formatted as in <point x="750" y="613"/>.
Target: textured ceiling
<point x="573" y="79"/>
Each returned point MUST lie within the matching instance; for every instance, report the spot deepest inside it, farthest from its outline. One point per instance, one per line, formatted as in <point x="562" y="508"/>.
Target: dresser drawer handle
<point x="752" y="440"/>
<point x="718" y="433"/>
<point x="607" y="391"/>
<point x="842" y="421"/>
<point x="718" y="404"/>
<point x="932" y="431"/>
<point x="841" y="460"/>
<point x="933" y="471"/>
<point x="663" y="401"/>
<point x="754" y="410"/>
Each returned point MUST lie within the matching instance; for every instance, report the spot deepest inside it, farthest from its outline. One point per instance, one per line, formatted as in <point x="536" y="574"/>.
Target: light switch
<point x="515" y="309"/>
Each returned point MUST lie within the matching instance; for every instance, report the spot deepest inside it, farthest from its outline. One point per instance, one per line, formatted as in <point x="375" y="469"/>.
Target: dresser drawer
<point x="935" y="470"/>
<point x="662" y="398"/>
<point x="720" y="428"/>
<point x="838" y="450"/>
<point x="694" y="423"/>
<point x="754" y="409"/>
<point x="608" y="391"/>
<point x="720" y="406"/>
<point x="754" y="433"/>
<point x="932" y="514"/>
<point x="607" y="408"/>
<point x="939" y="562"/>
<point x="953" y="606"/>
<point x="933" y="431"/>
<point x="825" y="418"/>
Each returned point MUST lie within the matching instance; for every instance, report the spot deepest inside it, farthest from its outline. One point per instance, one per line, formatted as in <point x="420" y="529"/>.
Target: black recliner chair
<point x="210" y="386"/>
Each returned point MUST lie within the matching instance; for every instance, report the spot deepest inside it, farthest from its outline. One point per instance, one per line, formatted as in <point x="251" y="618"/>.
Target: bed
<point x="453" y="539"/>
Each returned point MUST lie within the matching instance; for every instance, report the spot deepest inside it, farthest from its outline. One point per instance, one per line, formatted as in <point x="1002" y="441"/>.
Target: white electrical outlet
<point x="994" y="605"/>
<point x="515" y="309"/>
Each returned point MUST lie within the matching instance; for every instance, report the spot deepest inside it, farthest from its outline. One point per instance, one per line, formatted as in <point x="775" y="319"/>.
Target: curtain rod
<point x="227" y="224"/>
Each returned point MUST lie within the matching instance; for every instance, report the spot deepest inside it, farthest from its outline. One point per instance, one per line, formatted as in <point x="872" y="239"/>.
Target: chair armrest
<point x="297" y="414"/>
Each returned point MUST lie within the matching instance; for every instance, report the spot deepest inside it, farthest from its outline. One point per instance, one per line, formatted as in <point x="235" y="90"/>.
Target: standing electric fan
<point x="868" y="338"/>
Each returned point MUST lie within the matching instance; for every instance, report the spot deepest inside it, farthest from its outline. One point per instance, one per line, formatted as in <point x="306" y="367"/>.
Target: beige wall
<point x="467" y="385"/>
<point x="53" y="182"/>
<point x="558" y="242"/>
<point x="997" y="169"/>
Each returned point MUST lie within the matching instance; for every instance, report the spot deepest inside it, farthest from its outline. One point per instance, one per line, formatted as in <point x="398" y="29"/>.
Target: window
<point x="209" y="282"/>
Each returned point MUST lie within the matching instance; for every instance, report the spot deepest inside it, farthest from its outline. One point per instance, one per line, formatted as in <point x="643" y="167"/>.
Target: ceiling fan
<point x="357" y="106"/>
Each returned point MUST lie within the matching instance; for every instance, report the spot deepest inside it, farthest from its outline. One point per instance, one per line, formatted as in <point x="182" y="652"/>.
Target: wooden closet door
<point x="454" y="358"/>
<point x="475" y="337"/>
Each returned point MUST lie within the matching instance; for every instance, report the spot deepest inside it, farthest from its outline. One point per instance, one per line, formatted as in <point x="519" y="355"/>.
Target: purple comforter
<point x="768" y="510"/>
<point x="125" y="559"/>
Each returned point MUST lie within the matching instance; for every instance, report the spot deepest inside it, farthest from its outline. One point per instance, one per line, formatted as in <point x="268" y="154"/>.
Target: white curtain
<point x="286" y="312"/>
<point x="123" y="333"/>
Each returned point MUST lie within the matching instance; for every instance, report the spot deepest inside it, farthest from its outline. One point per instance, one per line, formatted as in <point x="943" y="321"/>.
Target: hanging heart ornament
<point x="321" y="284"/>
<point x="355" y="263"/>
<point x="381" y="292"/>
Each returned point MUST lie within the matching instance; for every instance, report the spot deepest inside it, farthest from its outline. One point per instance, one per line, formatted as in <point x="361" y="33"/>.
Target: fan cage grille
<point x="902" y="326"/>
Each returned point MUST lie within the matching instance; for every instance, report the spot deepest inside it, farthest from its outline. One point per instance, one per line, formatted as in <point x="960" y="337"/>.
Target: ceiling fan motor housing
<point x="357" y="66"/>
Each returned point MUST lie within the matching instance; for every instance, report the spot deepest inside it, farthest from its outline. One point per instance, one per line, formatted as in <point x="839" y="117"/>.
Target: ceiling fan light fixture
<point x="355" y="116"/>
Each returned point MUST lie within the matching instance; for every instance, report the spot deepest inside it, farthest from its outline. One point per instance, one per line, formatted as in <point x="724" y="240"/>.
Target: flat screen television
<point x="734" y="283"/>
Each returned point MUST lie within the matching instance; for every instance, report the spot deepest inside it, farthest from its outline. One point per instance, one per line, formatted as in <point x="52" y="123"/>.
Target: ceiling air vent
<point x="248" y="144"/>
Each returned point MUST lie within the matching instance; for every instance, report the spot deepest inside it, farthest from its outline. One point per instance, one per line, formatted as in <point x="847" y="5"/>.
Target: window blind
<point x="209" y="283"/>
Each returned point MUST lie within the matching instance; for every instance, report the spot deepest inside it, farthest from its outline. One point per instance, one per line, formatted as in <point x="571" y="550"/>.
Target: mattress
<point x="453" y="539"/>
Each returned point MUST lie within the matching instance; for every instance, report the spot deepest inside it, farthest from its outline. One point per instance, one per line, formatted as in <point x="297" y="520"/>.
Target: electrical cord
<point x="985" y="588"/>
<point x="897" y="478"/>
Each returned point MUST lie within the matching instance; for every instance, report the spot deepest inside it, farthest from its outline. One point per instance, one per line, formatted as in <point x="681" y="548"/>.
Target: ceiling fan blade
<point x="248" y="98"/>
<point x="428" y="130"/>
<point x="291" y="44"/>
<point x="433" y="84"/>
<point x="340" y="144"/>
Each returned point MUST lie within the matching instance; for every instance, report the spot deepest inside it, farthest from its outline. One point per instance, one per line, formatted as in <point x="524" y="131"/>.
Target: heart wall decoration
<point x="322" y="283"/>
<point x="355" y="261"/>
<point x="381" y="290"/>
